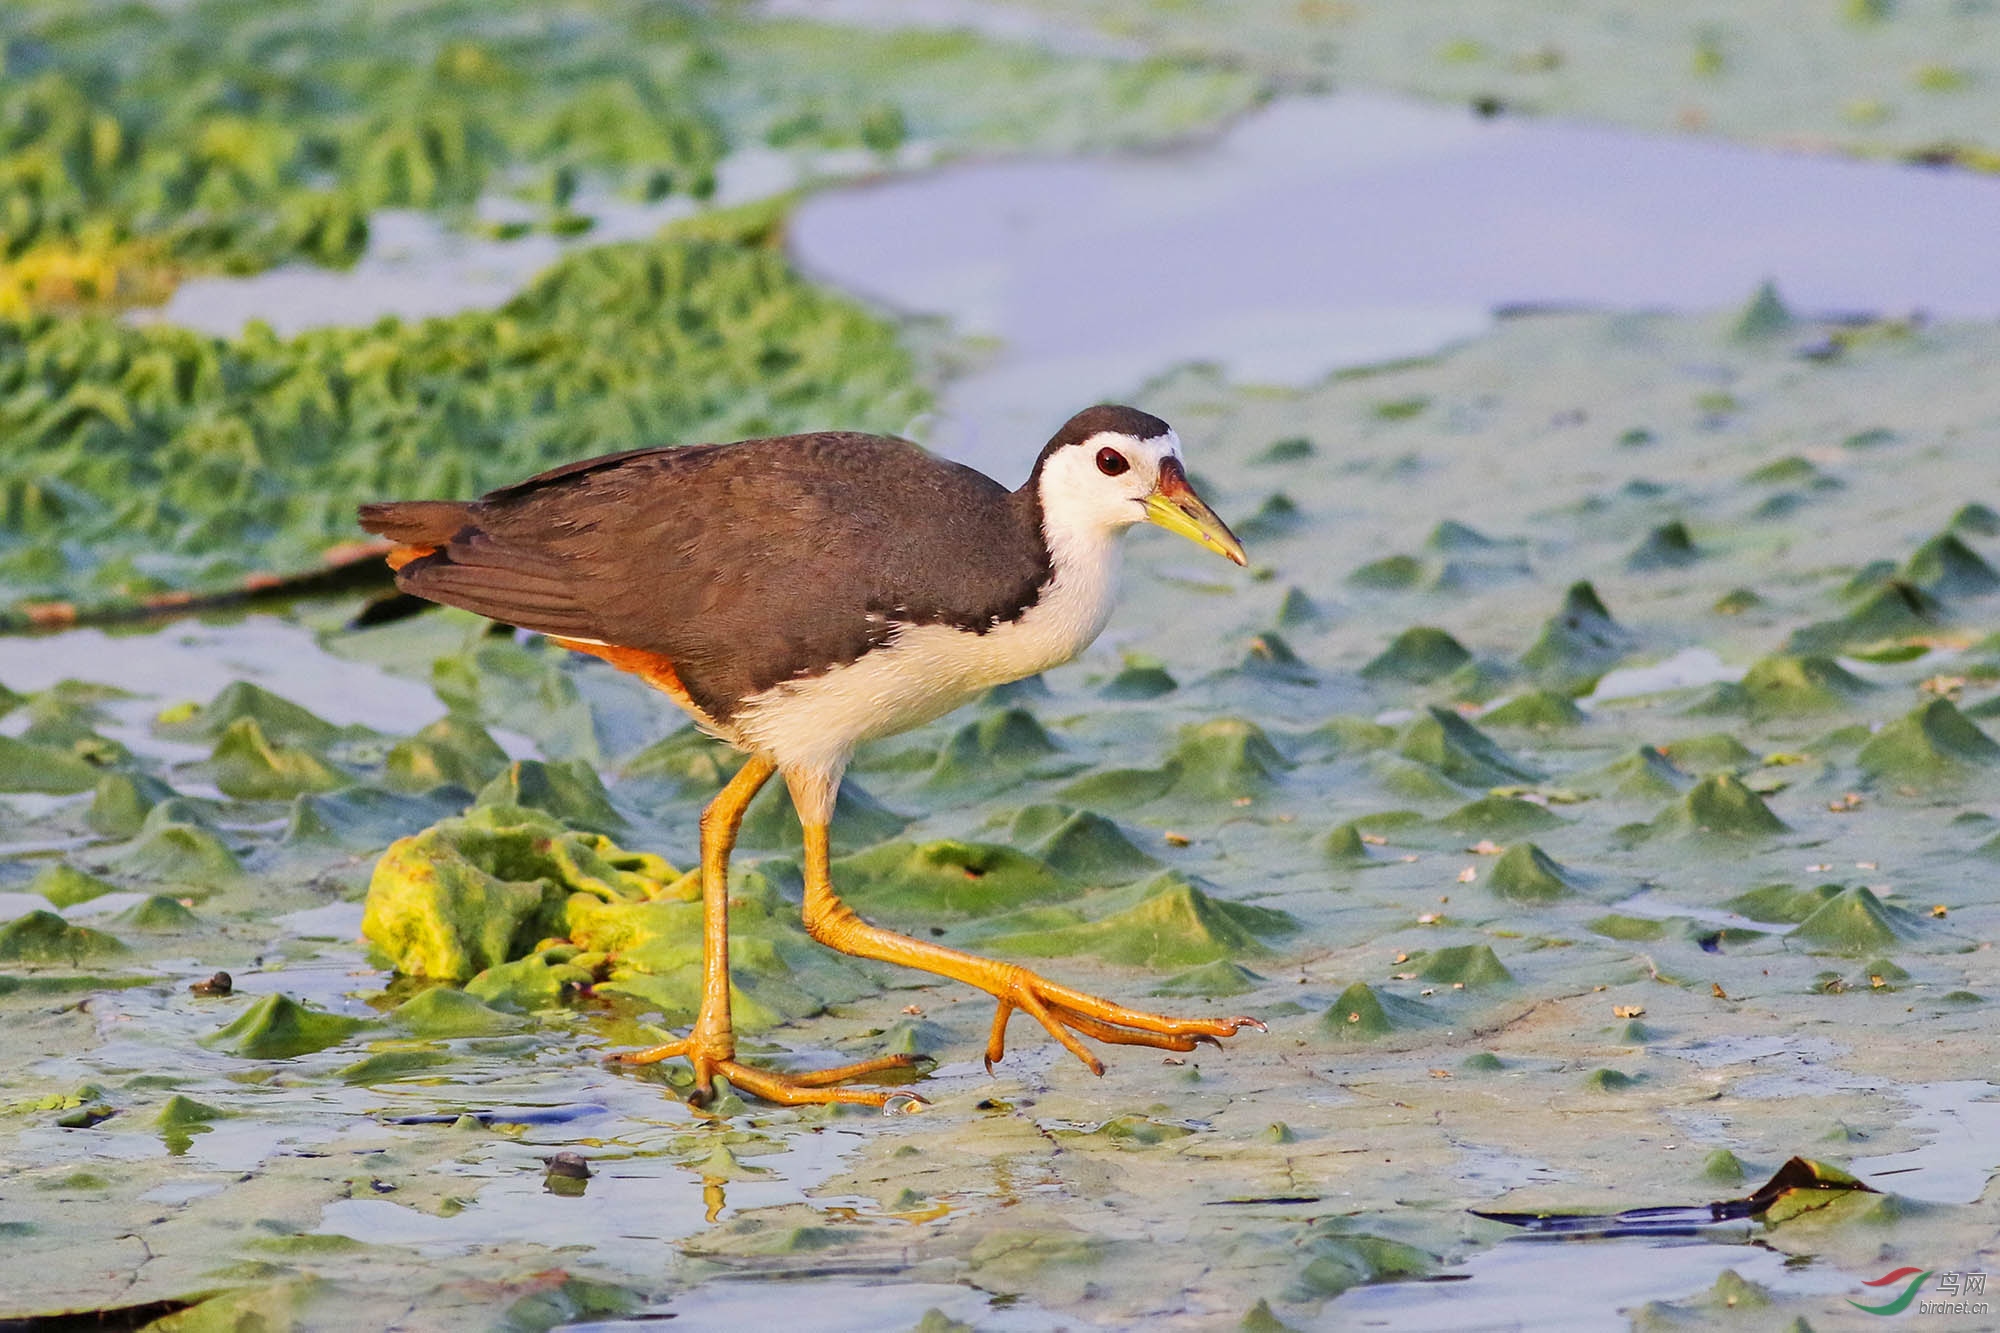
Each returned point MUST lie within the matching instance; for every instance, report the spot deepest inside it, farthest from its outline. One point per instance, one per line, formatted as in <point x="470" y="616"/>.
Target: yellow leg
<point x="710" y="1045"/>
<point x="1063" y="1011"/>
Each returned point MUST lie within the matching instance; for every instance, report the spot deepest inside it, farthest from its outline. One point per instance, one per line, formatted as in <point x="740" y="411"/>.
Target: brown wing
<point x="741" y="565"/>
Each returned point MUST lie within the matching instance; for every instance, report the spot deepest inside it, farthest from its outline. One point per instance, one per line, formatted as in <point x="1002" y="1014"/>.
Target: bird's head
<point x="1110" y="467"/>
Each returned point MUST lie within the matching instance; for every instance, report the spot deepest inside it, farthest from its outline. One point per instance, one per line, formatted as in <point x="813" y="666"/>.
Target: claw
<point x="904" y="1103"/>
<point x="1257" y="1023"/>
<point x="1204" y="1039"/>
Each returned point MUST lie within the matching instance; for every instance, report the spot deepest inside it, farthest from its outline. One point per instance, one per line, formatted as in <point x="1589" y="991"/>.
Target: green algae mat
<point x="1912" y="79"/>
<point x="1590" y="782"/>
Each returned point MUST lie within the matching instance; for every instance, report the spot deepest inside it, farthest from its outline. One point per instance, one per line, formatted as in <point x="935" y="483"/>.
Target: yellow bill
<point x="1174" y="506"/>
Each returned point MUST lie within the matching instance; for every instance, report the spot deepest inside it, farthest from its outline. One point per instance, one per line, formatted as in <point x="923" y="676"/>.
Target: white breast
<point x="925" y="671"/>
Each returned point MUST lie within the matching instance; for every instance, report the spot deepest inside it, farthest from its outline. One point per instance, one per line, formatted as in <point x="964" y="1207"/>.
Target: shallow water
<point x="1322" y="233"/>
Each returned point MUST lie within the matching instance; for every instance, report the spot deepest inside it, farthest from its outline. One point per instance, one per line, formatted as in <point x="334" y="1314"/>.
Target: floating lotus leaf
<point x="1277" y="516"/>
<point x="1269" y="657"/>
<point x="1215" y="980"/>
<point x="176" y="852"/>
<point x="1362" y="1013"/>
<point x="1139" y="682"/>
<point x="1578" y="644"/>
<point x="43" y="937"/>
<point x="442" y="1012"/>
<point x="569" y="789"/>
<point x="249" y="766"/>
<point x="1140" y="1130"/>
<point x="1642" y="775"/>
<point x="278" y="1027"/>
<point x="691" y="760"/>
<point x="367" y="817"/>
<point x="1934" y="744"/>
<point x="1855" y="922"/>
<point x="1120" y="788"/>
<point x="158" y="912"/>
<point x="453" y="750"/>
<point x="1782" y="902"/>
<point x="1342" y="1258"/>
<point x="1500" y="817"/>
<point x="1082" y="845"/>
<point x="1792" y="686"/>
<point x="1173" y="924"/>
<point x="1392" y="573"/>
<point x="1669" y="546"/>
<point x="1715" y="752"/>
<point x="1894" y="610"/>
<point x="1418" y="656"/>
<point x="1718" y="806"/>
<point x="1344" y="735"/>
<point x="1535" y="710"/>
<point x="122" y="801"/>
<point x="473" y="892"/>
<point x="1224" y="759"/>
<point x="43" y="768"/>
<point x="1408" y="780"/>
<point x="1724" y="1168"/>
<point x="1524" y="873"/>
<point x="1451" y="535"/>
<point x="1459" y="750"/>
<point x="66" y="886"/>
<point x="539" y="981"/>
<point x="280" y="720"/>
<point x="904" y="881"/>
<point x="1946" y="567"/>
<point x="1978" y="519"/>
<point x="1297" y="608"/>
<point x="1764" y="317"/>
<point x="999" y="746"/>
<point x="1467" y="965"/>
<point x="1291" y="449"/>
<point x="859" y="820"/>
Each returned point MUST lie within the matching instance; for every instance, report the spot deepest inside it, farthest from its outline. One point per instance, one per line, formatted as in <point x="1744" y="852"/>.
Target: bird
<point x="798" y="595"/>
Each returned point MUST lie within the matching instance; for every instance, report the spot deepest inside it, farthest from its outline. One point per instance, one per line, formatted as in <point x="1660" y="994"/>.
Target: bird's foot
<point x="1066" y="1013"/>
<point x="820" y="1085"/>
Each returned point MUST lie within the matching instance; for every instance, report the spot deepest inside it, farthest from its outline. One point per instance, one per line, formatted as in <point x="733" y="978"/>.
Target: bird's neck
<point x="1084" y="562"/>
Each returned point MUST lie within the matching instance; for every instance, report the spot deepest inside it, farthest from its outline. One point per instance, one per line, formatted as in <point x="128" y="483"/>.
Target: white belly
<point x="925" y="671"/>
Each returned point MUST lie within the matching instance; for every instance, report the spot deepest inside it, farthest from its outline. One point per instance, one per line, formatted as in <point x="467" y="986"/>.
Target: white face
<point x="1101" y="484"/>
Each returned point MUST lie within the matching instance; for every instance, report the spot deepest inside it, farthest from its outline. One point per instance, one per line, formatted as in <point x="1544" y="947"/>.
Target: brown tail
<point x="442" y="555"/>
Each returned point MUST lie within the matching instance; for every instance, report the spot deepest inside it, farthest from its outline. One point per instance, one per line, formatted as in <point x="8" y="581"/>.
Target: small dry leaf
<point x="1866" y="865"/>
<point x="1374" y="840"/>
<point x="1241" y="801"/>
<point x="1467" y="875"/>
<point x="1173" y="1060"/>
<point x="1716" y="988"/>
<point x="1485" y="847"/>
<point x="1938" y="910"/>
<point x="1428" y="990"/>
<point x="1875" y="980"/>
<point x="1402" y="976"/>
<point x="914" y="1011"/>
<point x="1440" y="1073"/>
<point x="1841" y="805"/>
<point x="1406" y="860"/>
<point x="1819" y="868"/>
<point x="1354" y="1017"/>
<point x="1627" y="1010"/>
<point x="1402" y="958"/>
<point x="1430" y="918"/>
<point x="1176" y="839"/>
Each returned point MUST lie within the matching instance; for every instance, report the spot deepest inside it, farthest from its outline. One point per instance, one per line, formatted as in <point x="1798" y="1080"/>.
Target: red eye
<point x="1110" y="462"/>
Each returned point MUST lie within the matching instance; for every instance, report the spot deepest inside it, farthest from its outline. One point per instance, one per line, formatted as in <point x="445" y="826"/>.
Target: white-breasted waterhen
<point x="802" y="594"/>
